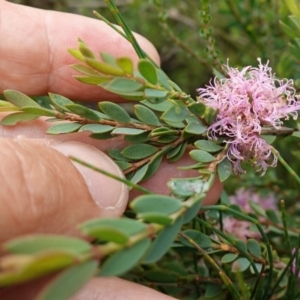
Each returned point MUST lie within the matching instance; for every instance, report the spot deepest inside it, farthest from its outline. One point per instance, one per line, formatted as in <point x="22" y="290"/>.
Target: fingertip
<point x="108" y="193"/>
<point x="43" y="192"/>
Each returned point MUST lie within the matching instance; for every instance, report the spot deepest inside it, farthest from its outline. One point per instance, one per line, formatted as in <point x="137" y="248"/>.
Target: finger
<point x="42" y="191"/>
<point x="97" y="288"/>
<point x="34" y="57"/>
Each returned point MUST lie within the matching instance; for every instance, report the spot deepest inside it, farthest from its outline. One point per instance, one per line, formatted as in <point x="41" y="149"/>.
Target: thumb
<point x="43" y="191"/>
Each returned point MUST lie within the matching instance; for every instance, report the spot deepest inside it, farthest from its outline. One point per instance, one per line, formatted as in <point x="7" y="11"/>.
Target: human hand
<point x="42" y="191"/>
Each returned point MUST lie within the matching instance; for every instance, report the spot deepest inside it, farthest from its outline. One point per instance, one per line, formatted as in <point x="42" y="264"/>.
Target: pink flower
<point x="243" y="229"/>
<point x="247" y="100"/>
<point x="293" y="267"/>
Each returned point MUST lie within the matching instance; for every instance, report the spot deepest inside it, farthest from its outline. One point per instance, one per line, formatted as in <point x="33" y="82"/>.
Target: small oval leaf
<point x="14" y="118"/>
<point x="208" y="146"/>
<point x="224" y="169"/>
<point x="240" y="265"/>
<point x="83" y="111"/>
<point x="125" y="64"/>
<point x="96" y="128"/>
<point x="124" y="260"/>
<point x="147" y="70"/>
<point x="139" y="151"/>
<point x="63" y="128"/>
<point x="163" y="242"/>
<point x="146" y="115"/>
<point x="229" y="257"/>
<point x="115" y="112"/>
<point x="201" y="156"/>
<point x="30" y="244"/>
<point x="155" y="204"/>
<point x="19" y="99"/>
<point x="254" y="247"/>
<point x="122" y="85"/>
<point x="69" y="282"/>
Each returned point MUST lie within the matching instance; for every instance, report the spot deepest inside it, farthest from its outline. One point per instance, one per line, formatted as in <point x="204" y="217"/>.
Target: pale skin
<point x="42" y="191"/>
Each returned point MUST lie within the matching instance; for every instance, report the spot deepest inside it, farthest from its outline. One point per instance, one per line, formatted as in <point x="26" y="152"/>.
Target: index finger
<point x="34" y="57"/>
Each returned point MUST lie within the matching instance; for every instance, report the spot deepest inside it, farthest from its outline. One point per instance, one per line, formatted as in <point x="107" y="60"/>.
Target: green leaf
<point x="122" y="85"/>
<point x="240" y="265"/>
<point x="195" y="128"/>
<point x="60" y="101"/>
<point x="86" y="70"/>
<point x="197" y="108"/>
<point x="257" y="208"/>
<point x="148" y="71"/>
<point x="83" y="111"/>
<point x="19" y="99"/>
<point x="155" y="96"/>
<point x="123" y="165"/>
<point x="41" y="111"/>
<point x="125" y="64"/>
<point x="85" y="50"/>
<point x="136" y="96"/>
<point x="139" y="174"/>
<point x="31" y="244"/>
<point x="185" y="187"/>
<point x="139" y="138"/>
<point x="240" y="245"/>
<point x="69" y="282"/>
<point x="208" y="146"/>
<point x="273" y="216"/>
<point x="7" y="106"/>
<point x="199" y="238"/>
<point x="146" y="115"/>
<point x="163" y="242"/>
<point x="124" y="260"/>
<point x="14" y="118"/>
<point x="115" y="112"/>
<point x="116" y="154"/>
<point x="176" y="155"/>
<point x="139" y="151"/>
<point x="224" y="169"/>
<point x="164" y="79"/>
<point x="178" y="112"/>
<point x="175" y="124"/>
<point x="96" y="128"/>
<point x="162" y="131"/>
<point x="161" y="107"/>
<point x="268" y="138"/>
<point x="127" y="131"/>
<point x="229" y="257"/>
<point x="201" y="156"/>
<point x="158" y="218"/>
<point x="77" y="54"/>
<point x="27" y="267"/>
<point x="103" y="67"/>
<point x="153" y="165"/>
<point x="254" y="247"/>
<point x="108" y="58"/>
<point x="193" y="211"/>
<point x="167" y="139"/>
<point x="121" y="229"/>
<point x="155" y="204"/>
<point x="92" y="80"/>
<point x="63" y="128"/>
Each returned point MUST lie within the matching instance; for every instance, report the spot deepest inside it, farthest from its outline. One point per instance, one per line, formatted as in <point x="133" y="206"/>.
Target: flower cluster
<point x="243" y="229"/>
<point x="248" y="100"/>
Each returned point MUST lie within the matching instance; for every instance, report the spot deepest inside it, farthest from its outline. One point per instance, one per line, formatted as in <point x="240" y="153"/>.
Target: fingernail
<point x="108" y="193"/>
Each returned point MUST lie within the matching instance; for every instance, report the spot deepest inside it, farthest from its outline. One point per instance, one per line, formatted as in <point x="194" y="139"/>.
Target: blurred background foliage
<point x="201" y="35"/>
